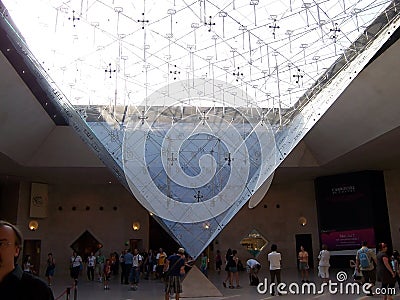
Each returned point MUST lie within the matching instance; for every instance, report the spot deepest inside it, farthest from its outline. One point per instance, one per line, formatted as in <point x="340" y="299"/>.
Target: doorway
<point x="136" y="244"/>
<point x="305" y="240"/>
<point x="33" y="248"/>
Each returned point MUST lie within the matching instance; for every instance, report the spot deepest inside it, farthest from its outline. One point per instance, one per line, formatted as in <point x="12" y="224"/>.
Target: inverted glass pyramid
<point x="193" y="105"/>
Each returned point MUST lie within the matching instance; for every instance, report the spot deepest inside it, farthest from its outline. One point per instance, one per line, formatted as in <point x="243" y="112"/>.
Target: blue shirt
<point x="128" y="258"/>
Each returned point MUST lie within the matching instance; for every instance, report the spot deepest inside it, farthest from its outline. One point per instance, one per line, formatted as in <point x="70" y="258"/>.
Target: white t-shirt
<point x="251" y="263"/>
<point x="136" y="260"/>
<point x="274" y="259"/>
<point x="91" y="261"/>
<point x="324" y="257"/>
<point x="76" y="261"/>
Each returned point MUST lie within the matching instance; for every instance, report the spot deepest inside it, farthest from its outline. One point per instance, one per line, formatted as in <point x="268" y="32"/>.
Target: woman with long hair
<point x="233" y="270"/>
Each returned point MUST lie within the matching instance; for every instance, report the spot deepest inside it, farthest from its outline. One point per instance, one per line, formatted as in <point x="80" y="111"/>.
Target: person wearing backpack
<point x="366" y="262"/>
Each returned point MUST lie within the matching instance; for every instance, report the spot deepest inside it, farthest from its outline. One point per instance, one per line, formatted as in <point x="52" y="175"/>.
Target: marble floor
<point x="154" y="289"/>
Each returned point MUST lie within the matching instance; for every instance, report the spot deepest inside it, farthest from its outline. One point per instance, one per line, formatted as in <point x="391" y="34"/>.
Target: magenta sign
<point x="348" y="239"/>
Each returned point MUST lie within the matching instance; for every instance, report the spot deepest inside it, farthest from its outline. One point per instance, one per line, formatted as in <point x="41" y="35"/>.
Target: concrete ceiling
<point x="361" y="131"/>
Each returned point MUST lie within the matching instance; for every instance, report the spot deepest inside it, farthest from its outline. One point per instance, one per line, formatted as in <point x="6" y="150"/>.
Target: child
<point x="107" y="273"/>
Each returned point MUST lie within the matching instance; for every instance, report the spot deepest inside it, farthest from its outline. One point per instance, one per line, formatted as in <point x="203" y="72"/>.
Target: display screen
<point x="339" y="202"/>
<point x="348" y="239"/>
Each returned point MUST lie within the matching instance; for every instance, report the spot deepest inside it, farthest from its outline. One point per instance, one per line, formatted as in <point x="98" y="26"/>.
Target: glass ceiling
<point x="119" y="52"/>
<point x="198" y="102"/>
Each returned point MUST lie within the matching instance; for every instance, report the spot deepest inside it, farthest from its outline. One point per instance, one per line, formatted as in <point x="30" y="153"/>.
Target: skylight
<point x="118" y="52"/>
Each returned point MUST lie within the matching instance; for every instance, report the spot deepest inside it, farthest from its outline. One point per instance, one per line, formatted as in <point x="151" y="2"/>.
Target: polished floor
<point x="154" y="289"/>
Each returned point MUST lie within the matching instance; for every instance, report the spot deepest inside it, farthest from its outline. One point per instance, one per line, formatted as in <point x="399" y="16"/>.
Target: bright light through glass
<point x="119" y="52"/>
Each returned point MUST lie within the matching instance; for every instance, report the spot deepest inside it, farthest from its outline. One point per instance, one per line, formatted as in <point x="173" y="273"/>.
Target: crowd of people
<point x="23" y="283"/>
<point x="368" y="265"/>
<point x="381" y="266"/>
<point x="131" y="266"/>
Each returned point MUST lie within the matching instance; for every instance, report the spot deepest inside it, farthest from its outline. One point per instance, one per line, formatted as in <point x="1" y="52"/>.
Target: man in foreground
<point x="14" y="283"/>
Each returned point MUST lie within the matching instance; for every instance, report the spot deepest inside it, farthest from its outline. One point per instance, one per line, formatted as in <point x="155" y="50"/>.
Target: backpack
<point x="363" y="258"/>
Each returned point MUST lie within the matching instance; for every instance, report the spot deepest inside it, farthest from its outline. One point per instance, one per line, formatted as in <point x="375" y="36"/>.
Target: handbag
<point x="80" y="265"/>
<point x="357" y="275"/>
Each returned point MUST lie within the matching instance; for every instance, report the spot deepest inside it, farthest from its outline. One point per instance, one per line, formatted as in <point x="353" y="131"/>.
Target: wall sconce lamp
<point x="136" y="226"/>
<point x="33" y="225"/>
<point x="302" y="221"/>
